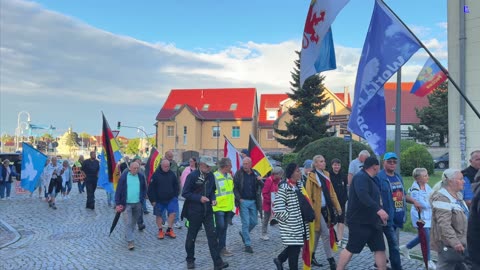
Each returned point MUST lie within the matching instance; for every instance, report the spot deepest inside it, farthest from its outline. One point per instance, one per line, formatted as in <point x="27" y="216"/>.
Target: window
<point x="270" y="134"/>
<point x="205" y="107"/>
<point x="170" y="131"/>
<point x="235" y="132"/>
<point x="184" y="135"/>
<point x="177" y="107"/>
<point x="233" y="107"/>
<point x="215" y="132"/>
<point x="272" y="115"/>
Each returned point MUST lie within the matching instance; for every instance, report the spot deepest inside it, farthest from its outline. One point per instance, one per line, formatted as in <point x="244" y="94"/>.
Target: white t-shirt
<point x="355" y="166"/>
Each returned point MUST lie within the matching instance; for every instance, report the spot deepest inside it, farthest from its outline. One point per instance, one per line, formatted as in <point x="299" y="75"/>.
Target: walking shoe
<point x="265" y="237"/>
<point x="141" y="227"/>
<point x="315" y="262"/>
<point x="177" y="225"/>
<point x="161" y="234"/>
<point x="405" y="251"/>
<point x="170" y="233"/>
<point x="221" y="266"/>
<point x="226" y="253"/>
<point x="241" y="235"/>
<point x="54" y="207"/>
<point x="278" y="264"/>
<point x="333" y="264"/>
<point x="190" y="265"/>
<point x="248" y="249"/>
<point x="431" y="265"/>
<point x="131" y="246"/>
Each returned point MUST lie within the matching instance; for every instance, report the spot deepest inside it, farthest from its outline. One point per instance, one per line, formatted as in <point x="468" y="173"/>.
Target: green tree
<point x="433" y="125"/>
<point x="132" y="146"/>
<point x="47" y="137"/>
<point x="71" y="142"/>
<point x="306" y="125"/>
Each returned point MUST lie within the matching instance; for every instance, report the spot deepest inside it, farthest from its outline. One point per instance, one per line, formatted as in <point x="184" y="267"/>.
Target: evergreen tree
<point x="306" y="125"/>
<point x="433" y="125"/>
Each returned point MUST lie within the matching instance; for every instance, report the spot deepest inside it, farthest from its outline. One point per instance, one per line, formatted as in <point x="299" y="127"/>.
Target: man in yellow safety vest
<point x="225" y="203"/>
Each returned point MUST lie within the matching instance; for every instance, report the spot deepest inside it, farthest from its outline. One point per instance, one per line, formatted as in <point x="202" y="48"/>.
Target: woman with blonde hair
<point x="449" y="221"/>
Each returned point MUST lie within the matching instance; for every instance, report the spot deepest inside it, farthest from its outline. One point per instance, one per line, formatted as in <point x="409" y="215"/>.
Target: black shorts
<point x="341" y="218"/>
<point x="361" y="234"/>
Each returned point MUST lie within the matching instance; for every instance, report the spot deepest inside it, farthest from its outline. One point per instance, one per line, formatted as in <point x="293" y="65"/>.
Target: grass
<point x="407" y="181"/>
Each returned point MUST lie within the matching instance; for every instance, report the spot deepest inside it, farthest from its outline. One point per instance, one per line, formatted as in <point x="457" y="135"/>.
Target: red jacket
<point x="270" y="186"/>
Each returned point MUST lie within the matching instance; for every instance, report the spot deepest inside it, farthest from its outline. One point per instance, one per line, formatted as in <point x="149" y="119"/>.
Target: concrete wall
<point x="472" y="80"/>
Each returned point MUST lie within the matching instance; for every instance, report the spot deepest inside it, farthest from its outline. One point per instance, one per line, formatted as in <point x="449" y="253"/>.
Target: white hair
<point x="364" y="153"/>
<point x="447" y="176"/>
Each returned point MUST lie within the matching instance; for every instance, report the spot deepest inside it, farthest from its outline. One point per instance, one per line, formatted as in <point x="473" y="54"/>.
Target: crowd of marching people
<point x="311" y="205"/>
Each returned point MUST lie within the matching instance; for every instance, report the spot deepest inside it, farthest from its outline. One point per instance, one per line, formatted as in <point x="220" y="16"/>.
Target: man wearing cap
<point x="365" y="216"/>
<point x="247" y="187"/>
<point x="199" y="193"/>
<point x="307" y="168"/>
<point x="394" y="200"/>
<point x="356" y="165"/>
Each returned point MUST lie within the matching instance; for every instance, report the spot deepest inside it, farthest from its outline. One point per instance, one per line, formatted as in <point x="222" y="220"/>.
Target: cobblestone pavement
<point x="73" y="237"/>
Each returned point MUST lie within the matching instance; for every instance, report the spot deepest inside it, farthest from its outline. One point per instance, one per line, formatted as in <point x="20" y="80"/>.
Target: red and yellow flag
<point x="308" y="244"/>
<point x="152" y="164"/>
<point x="259" y="161"/>
<point x="112" y="152"/>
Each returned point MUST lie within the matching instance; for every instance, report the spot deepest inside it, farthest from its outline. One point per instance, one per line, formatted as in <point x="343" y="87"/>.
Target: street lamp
<point x="17" y="133"/>
<point x="218" y="136"/>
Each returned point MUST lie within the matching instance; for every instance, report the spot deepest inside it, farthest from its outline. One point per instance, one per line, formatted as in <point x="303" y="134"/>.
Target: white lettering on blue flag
<point x="388" y="46"/>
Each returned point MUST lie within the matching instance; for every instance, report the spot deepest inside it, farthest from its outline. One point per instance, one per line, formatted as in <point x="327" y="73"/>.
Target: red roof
<point x="220" y="103"/>
<point x="341" y="96"/>
<point x="269" y="101"/>
<point x="409" y="103"/>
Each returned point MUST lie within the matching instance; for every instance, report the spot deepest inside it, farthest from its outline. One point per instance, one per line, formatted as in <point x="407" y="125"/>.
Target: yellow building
<point x="198" y="120"/>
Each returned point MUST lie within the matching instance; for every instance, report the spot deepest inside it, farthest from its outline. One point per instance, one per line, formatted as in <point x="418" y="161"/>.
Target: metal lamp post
<point x="18" y="129"/>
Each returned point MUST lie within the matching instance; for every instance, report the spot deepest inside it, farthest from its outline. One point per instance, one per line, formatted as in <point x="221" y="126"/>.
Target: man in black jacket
<point x="199" y="194"/>
<point x="91" y="167"/>
<point x="163" y="195"/>
<point x="365" y="216"/>
<point x="129" y="195"/>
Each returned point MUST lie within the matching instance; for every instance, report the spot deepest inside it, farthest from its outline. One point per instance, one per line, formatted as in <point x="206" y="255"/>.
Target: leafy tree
<point x="71" y="142"/>
<point x="84" y="138"/>
<point x="47" y="137"/>
<point x="433" y="125"/>
<point x="132" y="146"/>
<point x="306" y="125"/>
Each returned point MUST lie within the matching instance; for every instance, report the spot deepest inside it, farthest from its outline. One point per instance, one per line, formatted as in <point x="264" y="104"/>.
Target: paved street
<point x="73" y="237"/>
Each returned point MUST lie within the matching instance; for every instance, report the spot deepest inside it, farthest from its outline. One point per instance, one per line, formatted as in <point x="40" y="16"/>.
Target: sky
<point x="66" y="62"/>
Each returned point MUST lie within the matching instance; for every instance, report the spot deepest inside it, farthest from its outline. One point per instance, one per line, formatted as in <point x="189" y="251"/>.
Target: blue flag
<point x="103" y="174"/>
<point x="388" y="46"/>
<point x="33" y="162"/>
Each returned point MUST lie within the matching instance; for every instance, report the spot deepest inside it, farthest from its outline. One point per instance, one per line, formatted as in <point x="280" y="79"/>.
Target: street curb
<point x="11" y="229"/>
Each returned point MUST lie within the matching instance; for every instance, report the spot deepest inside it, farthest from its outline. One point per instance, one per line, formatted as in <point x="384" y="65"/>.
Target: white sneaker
<point x="265" y="237"/>
<point x="405" y="251"/>
<point x="431" y="265"/>
<point x="177" y="225"/>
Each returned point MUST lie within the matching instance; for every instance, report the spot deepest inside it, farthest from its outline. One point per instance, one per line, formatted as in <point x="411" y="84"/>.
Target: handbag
<point x="452" y="256"/>
<point x="308" y="214"/>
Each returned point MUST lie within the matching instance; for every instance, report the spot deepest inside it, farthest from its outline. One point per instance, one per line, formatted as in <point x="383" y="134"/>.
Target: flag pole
<point x="444" y="70"/>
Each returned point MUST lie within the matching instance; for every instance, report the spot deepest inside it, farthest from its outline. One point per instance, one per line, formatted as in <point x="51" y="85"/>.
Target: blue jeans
<point x="81" y="186"/>
<point x="415" y="241"/>
<point x="221" y="225"/>
<point x="5" y="186"/>
<point x="248" y="215"/>
<point x="110" y="198"/>
<point x="393" y="247"/>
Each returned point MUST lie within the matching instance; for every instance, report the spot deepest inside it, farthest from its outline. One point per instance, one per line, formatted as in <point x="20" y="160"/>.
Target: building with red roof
<point x="197" y="119"/>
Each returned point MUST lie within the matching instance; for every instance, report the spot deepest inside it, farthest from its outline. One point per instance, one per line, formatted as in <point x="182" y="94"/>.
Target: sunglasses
<point x="391" y="161"/>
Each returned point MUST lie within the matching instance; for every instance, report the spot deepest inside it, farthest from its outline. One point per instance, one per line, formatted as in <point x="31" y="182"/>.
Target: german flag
<point x="259" y="161"/>
<point x="152" y="164"/>
<point x="111" y="150"/>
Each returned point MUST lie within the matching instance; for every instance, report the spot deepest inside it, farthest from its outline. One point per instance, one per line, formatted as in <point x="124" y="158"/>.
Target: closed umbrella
<point x="115" y="221"/>
<point x="423" y="239"/>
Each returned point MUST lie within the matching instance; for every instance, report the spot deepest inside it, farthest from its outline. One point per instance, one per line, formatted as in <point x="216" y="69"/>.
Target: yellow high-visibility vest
<point x="224" y="192"/>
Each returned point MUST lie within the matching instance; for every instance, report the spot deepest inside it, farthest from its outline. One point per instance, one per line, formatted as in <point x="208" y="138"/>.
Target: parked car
<point x="441" y="162"/>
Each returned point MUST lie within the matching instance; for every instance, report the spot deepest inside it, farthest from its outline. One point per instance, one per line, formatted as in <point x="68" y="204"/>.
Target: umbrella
<point x="423" y="239"/>
<point x="115" y="221"/>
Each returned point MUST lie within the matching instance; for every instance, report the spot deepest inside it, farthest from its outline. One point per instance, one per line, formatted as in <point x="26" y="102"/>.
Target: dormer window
<point x="177" y="107"/>
<point x="233" y="107"/>
<point x="272" y="114"/>
<point x="205" y="107"/>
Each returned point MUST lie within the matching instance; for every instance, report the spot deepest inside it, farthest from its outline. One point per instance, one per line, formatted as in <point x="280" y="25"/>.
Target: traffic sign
<point x="339" y="118"/>
<point x="347" y="138"/>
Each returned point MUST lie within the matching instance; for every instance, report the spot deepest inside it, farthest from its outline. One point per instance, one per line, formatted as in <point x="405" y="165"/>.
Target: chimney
<point x="345" y="95"/>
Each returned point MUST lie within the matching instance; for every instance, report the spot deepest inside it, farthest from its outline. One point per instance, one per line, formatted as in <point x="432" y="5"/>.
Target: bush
<point x="416" y="156"/>
<point x="330" y="148"/>
<point x="288" y="158"/>
<point x="404" y="145"/>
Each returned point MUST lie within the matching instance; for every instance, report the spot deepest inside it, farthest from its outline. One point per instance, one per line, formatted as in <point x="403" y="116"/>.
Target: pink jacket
<point x="270" y="186"/>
